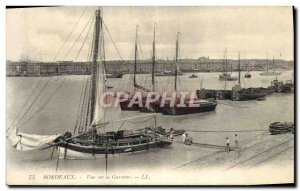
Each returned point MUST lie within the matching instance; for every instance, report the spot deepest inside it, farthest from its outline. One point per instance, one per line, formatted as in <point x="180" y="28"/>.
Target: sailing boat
<point x="208" y="70"/>
<point x="115" y="73"/>
<point x="193" y="76"/>
<point x="177" y="109"/>
<point x="90" y="140"/>
<point x="125" y="104"/>
<point x="242" y="94"/>
<point x="270" y="73"/>
<point x="247" y="75"/>
<point x="288" y="86"/>
<point x="225" y="76"/>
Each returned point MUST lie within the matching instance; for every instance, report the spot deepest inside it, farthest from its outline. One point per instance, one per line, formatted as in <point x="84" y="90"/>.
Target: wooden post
<point x="65" y="151"/>
<point x="57" y="159"/>
<point x="52" y="152"/>
<point x="106" y="156"/>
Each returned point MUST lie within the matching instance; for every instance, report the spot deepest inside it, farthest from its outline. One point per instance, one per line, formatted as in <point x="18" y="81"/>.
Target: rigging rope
<point x="80" y="102"/>
<point x="69" y="35"/>
<point x="140" y="48"/>
<point x="112" y="41"/>
<point x="49" y="78"/>
<point x="91" y="50"/>
<point x="35" y="88"/>
<point x="45" y="103"/>
<point x="87" y="34"/>
<point x="140" y="121"/>
<point x="33" y="101"/>
<point x="227" y="131"/>
<point x="84" y="106"/>
<point x="78" y="37"/>
<point x="121" y="125"/>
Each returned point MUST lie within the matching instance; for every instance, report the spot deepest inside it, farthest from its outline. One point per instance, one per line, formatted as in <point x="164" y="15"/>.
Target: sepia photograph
<point x="150" y="95"/>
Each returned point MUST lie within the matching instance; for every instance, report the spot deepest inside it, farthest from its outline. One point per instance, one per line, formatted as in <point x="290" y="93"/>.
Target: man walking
<point x="236" y="141"/>
<point x="228" y="144"/>
<point x="183" y="137"/>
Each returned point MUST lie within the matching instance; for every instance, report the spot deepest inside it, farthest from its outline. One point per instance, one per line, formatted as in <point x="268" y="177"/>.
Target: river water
<point x="55" y="112"/>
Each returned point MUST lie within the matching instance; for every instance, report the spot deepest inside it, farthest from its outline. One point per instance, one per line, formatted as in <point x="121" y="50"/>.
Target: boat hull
<point x="189" y="110"/>
<point x="227" y="77"/>
<point x="286" y="88"/>
<point x="213" y="94"/>
<point x="125" y="106"/>
<point x="94" y="149"/>
<point x="161" y="75"/>
<point x="246" y="97"/>
<point x="280" y="128"/>
<point x="270" y="74"/>
<point x="247" y="75"/>
<point x="115" y="75"/>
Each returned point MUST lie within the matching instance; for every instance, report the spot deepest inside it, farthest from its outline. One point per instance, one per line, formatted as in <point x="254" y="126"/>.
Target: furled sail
<point x="100" y="89"/>
<point x="25" y="142"/>
<point x="98" y="77"/>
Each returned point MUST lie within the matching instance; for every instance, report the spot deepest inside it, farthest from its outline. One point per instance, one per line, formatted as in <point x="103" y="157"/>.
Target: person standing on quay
<point x="228" y="144"/>
<point x="236" y="141"/>
<point x="183" y="137"/>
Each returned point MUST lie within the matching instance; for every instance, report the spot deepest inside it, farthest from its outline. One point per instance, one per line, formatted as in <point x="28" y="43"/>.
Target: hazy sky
<point x="38" y="33"/>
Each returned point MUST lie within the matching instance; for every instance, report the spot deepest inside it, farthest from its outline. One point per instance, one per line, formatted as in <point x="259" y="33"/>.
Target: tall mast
<point x="226" y="63"/>
<point x="273" y="64"/>
<point x="176" y="61"/>
<point x="98" y="25"/>
<point x="225" y="67"/>
<point x="239" y="70"/>
<point x="267" y="62"/>
<point x="135" y="58"/>
<point x="208" y="63"/>
<point x="153" y="61"/>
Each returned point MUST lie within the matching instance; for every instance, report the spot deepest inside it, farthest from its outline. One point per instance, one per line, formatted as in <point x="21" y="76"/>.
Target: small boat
<point x="281" y="87"/>
<point x="281" y="127"/>
<point x="247" y="75"/>
<point x="261" y="99"/>
<point x="204" y="106"/>
<point x="114" y="75"/>
<point x="287" y="87"/>
<point x="226" y="76"/>
<point x="167" y="73"/>
<point x="242" y="94"/>
<point x="193" y="76"/>
<point x="270" y="73"/>
<point x="109" y="144"/>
